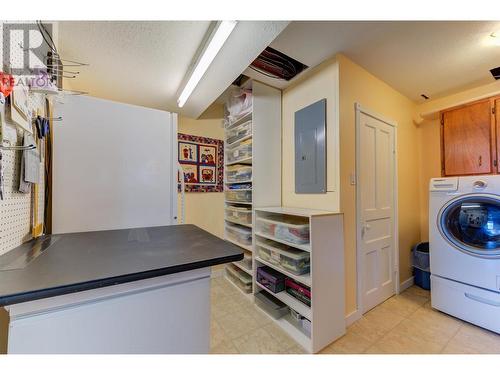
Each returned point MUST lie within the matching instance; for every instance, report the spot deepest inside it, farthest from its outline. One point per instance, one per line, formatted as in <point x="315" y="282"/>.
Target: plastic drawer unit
<point x="239" y="132"/>
<point x="240" y="151"/>
<point x="241" y="215"/>
<point x="240" y="278"/>
<point x="287" y="229"/>
<point x="238" y="173"/>
<point x="239" y="234"/>
<point x="271" y="279"/>
<point x="292" y="260"/>
<point x="239" y="196"/>
<point x="271" y="305"/>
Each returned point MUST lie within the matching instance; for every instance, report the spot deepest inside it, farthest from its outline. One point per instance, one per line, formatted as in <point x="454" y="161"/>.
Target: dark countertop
<point x="73" y="262"/>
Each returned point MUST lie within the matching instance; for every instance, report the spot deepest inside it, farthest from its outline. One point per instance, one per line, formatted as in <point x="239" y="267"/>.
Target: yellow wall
<point x="340" y="77"/>
<point x="205" y="210"/>
<point x="359" y="86"/>
<point x="320" y="84"/>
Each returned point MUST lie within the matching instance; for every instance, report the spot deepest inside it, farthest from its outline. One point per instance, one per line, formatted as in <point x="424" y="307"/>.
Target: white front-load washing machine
<point x="464" y="240"/>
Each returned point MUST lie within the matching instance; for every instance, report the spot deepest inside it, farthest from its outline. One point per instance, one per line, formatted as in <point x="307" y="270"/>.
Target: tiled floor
<point x="403" y="324"/>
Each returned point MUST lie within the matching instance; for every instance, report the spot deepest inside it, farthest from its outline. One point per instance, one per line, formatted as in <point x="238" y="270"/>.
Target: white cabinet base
<point x="167" y="314"/>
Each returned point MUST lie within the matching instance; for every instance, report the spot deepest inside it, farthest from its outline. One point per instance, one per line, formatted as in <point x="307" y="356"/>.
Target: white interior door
<point x="376" y="210"/>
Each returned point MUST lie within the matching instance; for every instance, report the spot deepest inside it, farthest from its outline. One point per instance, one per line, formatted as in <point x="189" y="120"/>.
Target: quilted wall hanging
<point x="202" y="160"/>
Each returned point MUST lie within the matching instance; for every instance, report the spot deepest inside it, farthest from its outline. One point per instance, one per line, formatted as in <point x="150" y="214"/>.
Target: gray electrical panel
<point x="310" y="149"/>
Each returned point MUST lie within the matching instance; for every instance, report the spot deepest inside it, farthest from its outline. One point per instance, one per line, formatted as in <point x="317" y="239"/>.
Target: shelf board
<point x="305" y="247"/>
<point x="243" y="268"/>
<point x="292" y="330"/>
<point x="246" y="137"/>
<point x="248" y="295"/>
<point x="238" y="182"/>
<point x="236" y="222"/>
<point x="287" y="299"/>
<point x="303" y="279"/>
<point x="246" y="161"/>
<point x="294" y="211"/>
<point x="245" y="247"/>
<point x="241" y="120"/>
<point x="236" y="202"/>
<point x="249" y="189"/>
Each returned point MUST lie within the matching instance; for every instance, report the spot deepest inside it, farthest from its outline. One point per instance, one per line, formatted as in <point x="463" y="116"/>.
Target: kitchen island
<point x="143" y="290"/>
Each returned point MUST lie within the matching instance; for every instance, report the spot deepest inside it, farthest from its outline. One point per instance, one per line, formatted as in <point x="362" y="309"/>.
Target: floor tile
<point x="473" y="340"/>
<point x="238" y="323"/>
<point x="351" y="343"/>
<point x="281" y="336"/>
<point x="225" y="347"/>
<point x="375" y="324"/>
<point x="259" y="341"/>
<point x="405" y="304"/>
<point x="411" y="336"/>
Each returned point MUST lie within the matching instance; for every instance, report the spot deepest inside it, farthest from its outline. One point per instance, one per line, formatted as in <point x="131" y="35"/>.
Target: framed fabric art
<point x="202" y="161"/>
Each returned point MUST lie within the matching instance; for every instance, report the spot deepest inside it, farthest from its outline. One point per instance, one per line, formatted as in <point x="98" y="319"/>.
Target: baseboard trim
<point x="352" y="317"/>
<point x="406" y="284"/>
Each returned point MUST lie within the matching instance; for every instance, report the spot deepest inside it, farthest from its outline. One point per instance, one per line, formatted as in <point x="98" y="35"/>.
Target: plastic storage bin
<point x="239" y="195"/>
<point x="240" y="278"/>
<point x="289" y="229"/>
<point x="271" y="305"/>
<point x="247" y="261"/>
<point x="242" y="150"/>
<point x="421" y="265"/>
<point x="239" y="234"/>
<point x="292" y="260"/>
<point x="298" y="291"/>
<point x="238" y="173"/>
<point x="236" y="133"/>
<point x="241" y="215"/>
<point x="271" y="279"/>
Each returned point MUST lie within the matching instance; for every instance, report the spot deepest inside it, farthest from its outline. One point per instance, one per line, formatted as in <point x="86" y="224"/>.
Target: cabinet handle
<point x="480" y="160"/>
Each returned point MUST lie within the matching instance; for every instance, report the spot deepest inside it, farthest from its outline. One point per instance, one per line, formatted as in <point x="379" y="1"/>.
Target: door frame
<point x="359" y="109"/>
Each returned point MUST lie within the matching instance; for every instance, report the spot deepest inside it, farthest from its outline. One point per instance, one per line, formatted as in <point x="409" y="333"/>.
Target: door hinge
<point x="494" y="163"/>
<point x="493" y="110"/>
<point x="442" y="120"/>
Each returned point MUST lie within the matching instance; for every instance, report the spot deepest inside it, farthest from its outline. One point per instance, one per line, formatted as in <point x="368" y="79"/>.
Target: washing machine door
<point x="471" y="223"/>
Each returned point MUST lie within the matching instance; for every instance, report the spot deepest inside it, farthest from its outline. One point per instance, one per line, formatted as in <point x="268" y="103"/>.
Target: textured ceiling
<point x="144" y="63"/>
<point x="432" y="58"/>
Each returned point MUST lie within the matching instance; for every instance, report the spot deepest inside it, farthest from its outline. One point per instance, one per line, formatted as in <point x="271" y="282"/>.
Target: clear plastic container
<point x="290" y="259"/>
<point x="242" y="150"/>
<point x="271" y="305"/>
<point x="239" y="234"/>
<point x="240" y="278"/>
<point x="241" y="215"/>
<point x="238" y="173"/>
<point x="238" y="132"/>
<point x="247" y="261"/>
<point x="239" y="196"/>
<point x="287" y="228"/>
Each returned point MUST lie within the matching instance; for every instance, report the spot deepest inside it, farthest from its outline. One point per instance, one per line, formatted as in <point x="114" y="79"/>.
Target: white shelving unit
<point x="265" y="158"/>
<point x="325" y="277"/>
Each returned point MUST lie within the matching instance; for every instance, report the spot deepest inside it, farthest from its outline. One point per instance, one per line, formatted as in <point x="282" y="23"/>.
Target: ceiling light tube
<point x="219" y="37"/>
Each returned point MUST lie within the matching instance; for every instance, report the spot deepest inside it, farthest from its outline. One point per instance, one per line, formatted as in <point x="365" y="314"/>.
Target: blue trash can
<point x="421" y="265"/>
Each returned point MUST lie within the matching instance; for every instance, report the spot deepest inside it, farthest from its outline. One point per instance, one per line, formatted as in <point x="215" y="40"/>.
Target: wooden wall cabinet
<point x="469" y="138"/>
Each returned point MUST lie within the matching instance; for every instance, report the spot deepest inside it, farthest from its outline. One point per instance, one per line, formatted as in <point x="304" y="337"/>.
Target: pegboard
<point x="16" y="209"/>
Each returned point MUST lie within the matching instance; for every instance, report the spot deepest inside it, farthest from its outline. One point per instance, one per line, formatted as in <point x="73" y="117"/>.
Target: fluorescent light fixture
<point x="219" y="37"/>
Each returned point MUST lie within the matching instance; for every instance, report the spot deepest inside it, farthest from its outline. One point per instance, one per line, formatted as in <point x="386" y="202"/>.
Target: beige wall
<point x="205" y="210"/>
<point x="359" y="86"/>
<point x="429" y="139"/>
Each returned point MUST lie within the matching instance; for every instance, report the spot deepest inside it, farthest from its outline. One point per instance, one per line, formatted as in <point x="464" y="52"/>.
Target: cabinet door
<point x="466" y="134"/>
